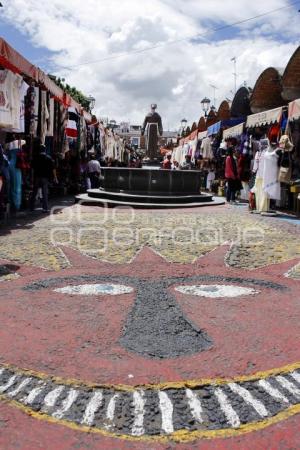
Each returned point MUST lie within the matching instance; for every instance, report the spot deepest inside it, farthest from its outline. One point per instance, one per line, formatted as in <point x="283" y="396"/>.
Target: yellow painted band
<point x="161" y="386"/>
<point x="178" y="436"/>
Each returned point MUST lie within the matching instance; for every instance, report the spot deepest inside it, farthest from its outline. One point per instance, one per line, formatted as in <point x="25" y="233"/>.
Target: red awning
<point x="294" y="110"/>
<point x="191" y="137"/>
<point x="50" y="86"/>
<point x="87" y="116"/>
<point x="12" y="60"/>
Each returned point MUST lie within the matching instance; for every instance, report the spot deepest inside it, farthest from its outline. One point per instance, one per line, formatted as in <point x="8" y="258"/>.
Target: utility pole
<point x="214" y="88"/>
<point x="234" y="59"/>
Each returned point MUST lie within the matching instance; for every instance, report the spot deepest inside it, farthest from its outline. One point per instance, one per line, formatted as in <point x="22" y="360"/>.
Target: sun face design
<point x="131" y="333"/>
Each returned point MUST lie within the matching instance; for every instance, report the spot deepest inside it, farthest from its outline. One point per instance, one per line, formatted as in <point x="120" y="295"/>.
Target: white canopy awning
<point x="264" y="118"/>
<point x="294" y="110"/>
<point x="235" y="131"/>
<point x="202" y="134"/>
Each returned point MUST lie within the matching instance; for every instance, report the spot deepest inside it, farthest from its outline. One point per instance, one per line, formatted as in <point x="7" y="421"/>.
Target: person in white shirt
<point x="94" y="171"/>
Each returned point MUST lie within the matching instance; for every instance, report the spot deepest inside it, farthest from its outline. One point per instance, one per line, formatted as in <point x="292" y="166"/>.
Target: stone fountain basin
<point x="150" y="181"/>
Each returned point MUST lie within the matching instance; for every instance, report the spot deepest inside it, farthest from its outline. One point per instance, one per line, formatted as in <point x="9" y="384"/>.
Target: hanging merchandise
<point x="82" y="135"/>
<point x="7" y="79"/>
<point x="16" y="102"/>
<point x="286" y="164"/>
<point x="274" y="132"/>
<point x="15" y="172"/>
<point x="33" y="109"/>
<point x="63" y="113"/>
<point x="44" y="117"/>
<point x="50" y="122"/>
<point x="4" y="181"/>
<point x="271" y="185"/>
<point x="285" y="173"/>
<point x="206" y="148"/>
<point x="23" y="93"/>
<point x="261" y="198"/>
<point x="72" y="124"/>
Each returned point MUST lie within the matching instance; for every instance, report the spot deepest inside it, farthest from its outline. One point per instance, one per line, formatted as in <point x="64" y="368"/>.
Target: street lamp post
<point x="205" y="103"/>
<point x="183" y="125"/>
<point x="91" y="101"/>
<point x="112" y="124"/>
<point x="234" y="73"/>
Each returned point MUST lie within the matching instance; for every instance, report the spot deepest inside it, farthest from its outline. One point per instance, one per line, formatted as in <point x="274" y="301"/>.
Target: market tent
<point x="87" y="116"/>
<point x="216" y="127"/>
<point x="191" y="137"/>
<point x="235" y="131"/>
<point x="294" y="110"/>
<point x="264" y="118"/>
<point x="202" y="134"/>
<point x="12" y="60"/>
<point x="50" y="86"/>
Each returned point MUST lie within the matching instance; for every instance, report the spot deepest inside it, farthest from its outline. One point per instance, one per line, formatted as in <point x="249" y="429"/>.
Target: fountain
<point x="149" y="187"/>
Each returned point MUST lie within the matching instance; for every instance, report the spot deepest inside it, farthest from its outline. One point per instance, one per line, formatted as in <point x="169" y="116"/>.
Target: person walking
<point x="231" y="175"/>
<point x="43" y="172"/>
<point x="94" y="171"/>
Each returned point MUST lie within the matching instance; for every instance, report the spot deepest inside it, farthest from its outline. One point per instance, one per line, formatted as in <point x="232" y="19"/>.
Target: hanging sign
<point x="235" y="131"/>
<point x="264" y="118"/>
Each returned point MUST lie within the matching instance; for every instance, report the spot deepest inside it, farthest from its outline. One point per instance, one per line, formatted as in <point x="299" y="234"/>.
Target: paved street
<point x="150" y="330"/>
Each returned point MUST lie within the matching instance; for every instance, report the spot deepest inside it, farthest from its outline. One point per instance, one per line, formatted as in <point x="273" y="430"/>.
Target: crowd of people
<point x="168" y="164"/>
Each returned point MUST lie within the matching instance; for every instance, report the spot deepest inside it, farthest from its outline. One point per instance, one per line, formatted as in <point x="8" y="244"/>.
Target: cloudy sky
<point x="100" y="46"/>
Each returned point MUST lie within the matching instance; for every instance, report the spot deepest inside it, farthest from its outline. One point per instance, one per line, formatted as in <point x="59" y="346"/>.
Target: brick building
<point x="267" y="91"/>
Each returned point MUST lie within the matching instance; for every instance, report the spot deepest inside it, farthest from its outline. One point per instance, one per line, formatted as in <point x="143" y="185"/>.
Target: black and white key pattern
<point x="152" y="411"/>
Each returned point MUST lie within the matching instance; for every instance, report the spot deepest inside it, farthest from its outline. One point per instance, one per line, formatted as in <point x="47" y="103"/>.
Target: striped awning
<point x="264" y="118"/>
<point x="294" y="110"/>
<point x="235" y="131"/>
<point x="202" y="134"/>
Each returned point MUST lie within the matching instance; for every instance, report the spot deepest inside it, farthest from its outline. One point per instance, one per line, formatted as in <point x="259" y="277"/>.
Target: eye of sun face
<point x="95" y="289"/>
<point x="216" y="290"/>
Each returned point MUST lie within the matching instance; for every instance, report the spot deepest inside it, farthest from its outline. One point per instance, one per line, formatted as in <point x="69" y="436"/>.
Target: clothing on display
<point x="72" y="124"/>
<point x="261" y="198"/>
<point x="10" y="103"/>
<point x="211" y="176"/>
<point x="271" y="185"/>
<point x="33" y="105"/>
<point x="50" y="122"/>
<point x="15" y="174"/>
<point x="5" y="87"/>
<point x="206" y="148"/>
<point x="44" y="117"/>
<point x="23" y="92"/>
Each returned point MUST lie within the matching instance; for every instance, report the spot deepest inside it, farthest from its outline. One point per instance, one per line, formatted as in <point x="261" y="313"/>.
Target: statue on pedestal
<point x="152" y="126"/>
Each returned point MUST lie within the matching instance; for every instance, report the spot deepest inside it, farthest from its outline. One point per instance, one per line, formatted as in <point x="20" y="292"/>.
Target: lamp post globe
<point x="112" y="124"/>
<point x="205" y="103"/>
<point x="91" y="101"/>
<point x="183" y="122"/>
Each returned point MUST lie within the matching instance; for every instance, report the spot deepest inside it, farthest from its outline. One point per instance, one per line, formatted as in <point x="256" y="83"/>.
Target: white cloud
<point x="176" y="76"/>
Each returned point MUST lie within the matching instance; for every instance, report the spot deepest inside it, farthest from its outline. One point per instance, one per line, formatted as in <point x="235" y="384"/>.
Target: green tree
<point x="77" y="95"/>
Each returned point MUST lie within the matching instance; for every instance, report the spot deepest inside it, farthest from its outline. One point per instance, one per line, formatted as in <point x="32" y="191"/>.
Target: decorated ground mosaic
<point x="190" y="410"/>
<point x="180" y="313"/>
<point x="179" y="237"/>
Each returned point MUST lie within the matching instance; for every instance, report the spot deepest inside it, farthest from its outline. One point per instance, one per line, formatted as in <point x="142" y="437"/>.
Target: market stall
<point x="294" y="131"/>
<point x="35" y="111"/>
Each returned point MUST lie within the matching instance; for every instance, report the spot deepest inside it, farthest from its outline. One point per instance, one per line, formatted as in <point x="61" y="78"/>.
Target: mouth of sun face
<point x="169" y="319"/>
